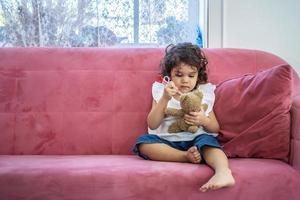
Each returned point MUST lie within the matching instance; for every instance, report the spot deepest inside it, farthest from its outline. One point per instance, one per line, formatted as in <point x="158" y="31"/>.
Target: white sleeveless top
<point x="162" y="131"/>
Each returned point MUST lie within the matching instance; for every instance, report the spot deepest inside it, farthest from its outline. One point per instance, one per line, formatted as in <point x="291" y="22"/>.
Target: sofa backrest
<point x="91" y="100"/>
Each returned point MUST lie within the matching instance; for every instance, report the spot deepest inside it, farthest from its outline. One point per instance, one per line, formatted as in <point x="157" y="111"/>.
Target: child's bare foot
<point x="219" y="180"/>
<point x="193" y="155"/>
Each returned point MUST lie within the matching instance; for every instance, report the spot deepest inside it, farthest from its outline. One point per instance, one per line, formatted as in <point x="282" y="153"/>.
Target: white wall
<point x="269" y="25"/>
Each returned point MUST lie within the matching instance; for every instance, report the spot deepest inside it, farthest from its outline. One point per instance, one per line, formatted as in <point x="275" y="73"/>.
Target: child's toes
<point x="204" y="188"/>
<point x="193" y="155"/>
<point x="193" y="149"/>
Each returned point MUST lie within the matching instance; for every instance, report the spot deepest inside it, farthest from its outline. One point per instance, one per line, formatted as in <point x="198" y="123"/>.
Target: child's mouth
<point x="185" y="87"/>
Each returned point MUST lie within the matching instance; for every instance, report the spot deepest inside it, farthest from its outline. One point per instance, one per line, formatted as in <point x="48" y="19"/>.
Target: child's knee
<point x="141" y="147"/>
<point x="144" y="148"/>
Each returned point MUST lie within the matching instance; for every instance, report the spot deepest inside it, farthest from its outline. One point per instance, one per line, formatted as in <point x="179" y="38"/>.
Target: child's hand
<point x="196" y="118"/>
<point x="171" y="90"/>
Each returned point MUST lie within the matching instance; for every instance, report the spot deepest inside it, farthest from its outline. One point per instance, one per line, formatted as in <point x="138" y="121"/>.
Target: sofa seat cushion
<point x="129" y="177"/>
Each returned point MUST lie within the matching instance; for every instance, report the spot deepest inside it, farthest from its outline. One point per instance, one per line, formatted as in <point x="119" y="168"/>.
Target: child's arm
<point x="209" y="123"/>
<point x="157" y="112"/>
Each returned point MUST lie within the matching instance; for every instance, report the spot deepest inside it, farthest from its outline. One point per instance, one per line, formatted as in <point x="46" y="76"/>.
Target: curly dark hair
<point x="186" y="53"/>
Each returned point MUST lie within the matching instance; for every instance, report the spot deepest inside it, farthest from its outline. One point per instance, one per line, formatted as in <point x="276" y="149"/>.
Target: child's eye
<point x="191" y="76"/>
<point x="178" y="75"/>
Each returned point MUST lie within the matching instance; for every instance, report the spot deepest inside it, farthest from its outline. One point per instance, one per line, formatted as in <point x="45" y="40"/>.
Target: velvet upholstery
<point x="69" y="118"/>
<point x="128" y="177"/>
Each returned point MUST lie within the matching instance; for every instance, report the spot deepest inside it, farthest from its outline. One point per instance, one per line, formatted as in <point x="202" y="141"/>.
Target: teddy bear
<point x="189" y="102"/>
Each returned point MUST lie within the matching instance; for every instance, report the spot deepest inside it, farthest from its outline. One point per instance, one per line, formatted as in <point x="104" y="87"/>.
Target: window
<point x="98" y="23"/>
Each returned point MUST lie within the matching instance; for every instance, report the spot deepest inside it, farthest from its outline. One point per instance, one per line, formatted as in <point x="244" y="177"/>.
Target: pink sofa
<point x="69" y="118"/>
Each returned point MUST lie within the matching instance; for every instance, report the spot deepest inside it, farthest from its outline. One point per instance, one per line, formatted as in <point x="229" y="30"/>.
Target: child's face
<point x="184" y="77"/>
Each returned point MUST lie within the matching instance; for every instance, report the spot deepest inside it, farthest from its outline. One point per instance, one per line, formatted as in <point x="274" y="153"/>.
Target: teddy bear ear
<point x="198" y="93"/>
<point x="182" y="97"/>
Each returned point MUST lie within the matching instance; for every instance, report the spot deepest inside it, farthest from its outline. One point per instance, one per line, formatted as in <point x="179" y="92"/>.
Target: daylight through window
<point x="98" y="23"/>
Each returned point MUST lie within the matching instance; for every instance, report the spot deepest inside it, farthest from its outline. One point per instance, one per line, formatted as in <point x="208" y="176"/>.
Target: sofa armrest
<point x="295" y="125"/>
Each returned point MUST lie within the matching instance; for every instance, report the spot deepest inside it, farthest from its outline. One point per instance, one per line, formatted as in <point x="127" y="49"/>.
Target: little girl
<point x="185" y="64"/>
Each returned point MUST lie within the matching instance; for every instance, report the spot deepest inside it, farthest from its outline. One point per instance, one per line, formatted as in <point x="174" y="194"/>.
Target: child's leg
<point x="164" y="152"/>
<point x="217" y="159"/>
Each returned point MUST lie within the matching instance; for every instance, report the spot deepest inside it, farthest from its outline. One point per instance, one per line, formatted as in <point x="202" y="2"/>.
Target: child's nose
<point x="185" y="79"/>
